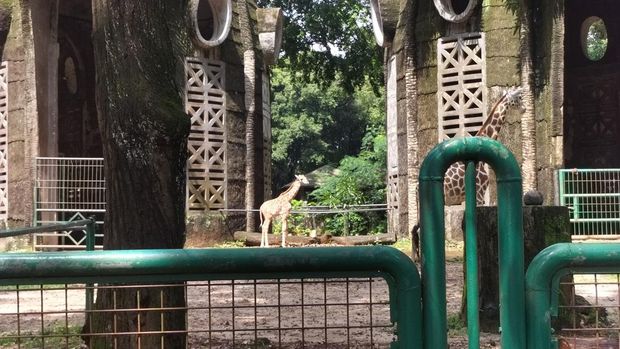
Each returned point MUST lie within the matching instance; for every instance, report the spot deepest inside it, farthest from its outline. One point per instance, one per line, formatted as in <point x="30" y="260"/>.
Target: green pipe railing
<point x="471" y="258"/>
<point x="510" y="221"/>
<point x="542" y="282"/>
<point x="139" y="266"/>
<point x="88" y="225"/>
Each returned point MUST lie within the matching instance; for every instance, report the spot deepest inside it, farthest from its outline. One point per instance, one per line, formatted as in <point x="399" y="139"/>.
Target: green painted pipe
<point x="74" y="225"/>
<point x="137" y="266"/>
<point x="545" y="267"/>
<point x="510" y="222"/>
<point x="471" y="257"/>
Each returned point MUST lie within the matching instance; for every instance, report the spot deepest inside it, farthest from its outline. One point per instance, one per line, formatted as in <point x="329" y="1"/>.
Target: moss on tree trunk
<point x="140" y="48"/>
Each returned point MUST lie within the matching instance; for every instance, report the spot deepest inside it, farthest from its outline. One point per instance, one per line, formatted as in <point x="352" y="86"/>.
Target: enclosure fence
<point x="67" y="189"/>
<point x="226" y="298"/>
<point x="593" y="199"/>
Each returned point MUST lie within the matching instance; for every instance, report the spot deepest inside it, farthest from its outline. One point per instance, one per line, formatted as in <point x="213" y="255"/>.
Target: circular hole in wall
<point x="70" y="75"/>
<point x="459" y="6"/>
<point x="211" y="20"/>
<point x="205" y="19"/>
<point x="455" y="10"/>
<point x="594" y="38"/>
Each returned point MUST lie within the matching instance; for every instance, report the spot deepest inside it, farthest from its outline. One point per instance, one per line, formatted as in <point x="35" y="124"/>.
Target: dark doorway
<point x="78" y="131"/>
<point x="592" y="84"/>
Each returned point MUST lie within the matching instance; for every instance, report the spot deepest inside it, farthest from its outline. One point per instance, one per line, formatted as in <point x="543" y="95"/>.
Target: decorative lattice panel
<point x="266" y="135"/>
<point x="392" y="137"/>
<point x="461" y="85"/>
<point x="4" y="158"/>
<point x="204" y="103"/>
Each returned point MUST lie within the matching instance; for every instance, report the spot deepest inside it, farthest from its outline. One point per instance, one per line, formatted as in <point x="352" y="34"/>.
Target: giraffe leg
<point x="284" y="230"/>
<point x="264" y="238"/>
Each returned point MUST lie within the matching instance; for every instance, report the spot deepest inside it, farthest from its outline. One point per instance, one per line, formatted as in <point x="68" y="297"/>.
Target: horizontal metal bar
<point x="75" y="225"/>
<point x="67" y="158"/>
<point x="595" y="195"/>
<point x="594" y="220"/>
<point x="588" y="170"/>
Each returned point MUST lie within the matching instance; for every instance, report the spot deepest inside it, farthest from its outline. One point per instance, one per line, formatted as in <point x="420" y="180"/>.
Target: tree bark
<point x="140" y="48"/>
<point x="413" y="162"/>
<point x="528" y="120"/>
<point x="249" y="66"/>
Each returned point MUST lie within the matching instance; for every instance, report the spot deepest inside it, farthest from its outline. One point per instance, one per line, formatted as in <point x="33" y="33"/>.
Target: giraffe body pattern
<point x="278" y="207"/>
<point x="454" y="180"/>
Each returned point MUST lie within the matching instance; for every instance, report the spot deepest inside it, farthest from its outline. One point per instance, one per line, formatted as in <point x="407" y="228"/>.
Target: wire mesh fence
<point x="589" y="311"/>
<point x="593" y="198"/>
<point x="278" y="313"/>
<point x="68" y="189"/>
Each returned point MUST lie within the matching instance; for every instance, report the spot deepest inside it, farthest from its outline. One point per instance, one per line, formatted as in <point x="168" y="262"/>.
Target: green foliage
<point x="57" y="336"/>
<point x="456" y="325"/>
<point x="297" y="224"/>
<point x="330" y="40"/>
<point x="361" y="181"/>
<point x="313" y="126"/>
<point x="596" y="40"/>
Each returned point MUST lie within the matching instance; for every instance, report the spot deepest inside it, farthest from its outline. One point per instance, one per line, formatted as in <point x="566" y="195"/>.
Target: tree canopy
<point x="330" y="40"/>
<point x="314" y="126"/>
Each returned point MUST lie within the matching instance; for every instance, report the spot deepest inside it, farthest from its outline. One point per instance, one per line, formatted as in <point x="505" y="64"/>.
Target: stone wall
<point x="549" y="87"/>
<point x="22" y="106"/>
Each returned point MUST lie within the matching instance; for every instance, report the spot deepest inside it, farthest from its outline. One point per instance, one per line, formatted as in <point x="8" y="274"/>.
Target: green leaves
<point x="313" y="125"/>
<point x="330" y="41"/>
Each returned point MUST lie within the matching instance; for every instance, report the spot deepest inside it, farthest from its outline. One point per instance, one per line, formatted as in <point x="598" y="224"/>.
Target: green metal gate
<point x="593" y="199"/>
<point x="217" y="270"/>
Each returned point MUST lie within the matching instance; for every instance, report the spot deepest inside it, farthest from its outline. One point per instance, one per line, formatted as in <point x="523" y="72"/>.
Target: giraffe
<point x="278" y="207"/>
<point x="454" y="180"/>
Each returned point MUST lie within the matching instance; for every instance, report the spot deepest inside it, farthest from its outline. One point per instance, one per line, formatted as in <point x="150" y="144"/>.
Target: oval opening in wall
<point x="455" y="11"/>
<point x="594" y="38"/>
<point x="211" y="21"/>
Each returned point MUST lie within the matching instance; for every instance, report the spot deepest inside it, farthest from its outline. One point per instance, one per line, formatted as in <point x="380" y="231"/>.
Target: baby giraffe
<point x="278" y="207"/>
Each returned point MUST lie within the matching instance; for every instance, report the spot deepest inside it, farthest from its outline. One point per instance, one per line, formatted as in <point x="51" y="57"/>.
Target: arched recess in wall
<point x="384" y="15"/>
<point x="455" y="11"/>
<point x="211" y="20"/>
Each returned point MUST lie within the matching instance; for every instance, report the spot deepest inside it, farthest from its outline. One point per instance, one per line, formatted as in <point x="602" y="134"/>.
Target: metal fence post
<point x="471" y="257"/>
<point x="91" y="228"/>
<point x="510" y="223"/>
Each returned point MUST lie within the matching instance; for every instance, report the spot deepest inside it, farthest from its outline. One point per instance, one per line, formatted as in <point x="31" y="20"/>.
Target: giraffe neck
<point x="290" y="193"/>
<point x="493" y="123"/>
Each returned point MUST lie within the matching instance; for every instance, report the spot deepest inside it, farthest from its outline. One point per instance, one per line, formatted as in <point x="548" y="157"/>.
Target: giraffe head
<point x="513" y="96"/>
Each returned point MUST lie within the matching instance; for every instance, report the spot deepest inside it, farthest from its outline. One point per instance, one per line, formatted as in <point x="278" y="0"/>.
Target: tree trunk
<point x="528" y="120"/>
<point x="140" y="48"/>
<point x="249" y="66"/>
<point x="413" y="163"/>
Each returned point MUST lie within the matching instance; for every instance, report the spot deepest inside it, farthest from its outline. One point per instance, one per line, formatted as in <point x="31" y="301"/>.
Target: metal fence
<point x="593" y="197"/>
<point x="230" y="298"/>
<point x="589" y="315"/>
<point x="573" y="295"/>
<point x="68" y="189"/>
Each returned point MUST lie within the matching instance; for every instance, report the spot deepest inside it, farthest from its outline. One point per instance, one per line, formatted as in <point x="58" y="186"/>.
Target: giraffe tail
<point x="260" y="214"/>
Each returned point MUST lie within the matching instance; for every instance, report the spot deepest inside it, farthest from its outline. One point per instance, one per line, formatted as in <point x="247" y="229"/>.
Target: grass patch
<point x="55" y="336"/>
<point x="456" y="326"/>
<point x="231" y="244"/>
<point x="403" y="245"/>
